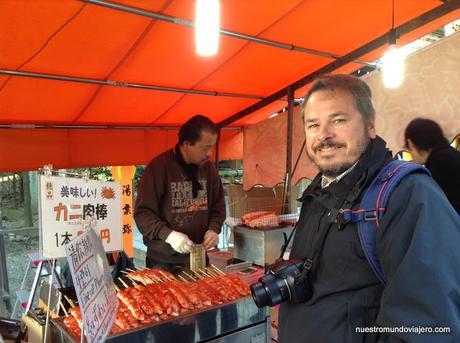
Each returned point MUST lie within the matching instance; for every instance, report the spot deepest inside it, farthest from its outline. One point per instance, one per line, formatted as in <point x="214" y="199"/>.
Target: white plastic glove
<point x="179" y="242"/>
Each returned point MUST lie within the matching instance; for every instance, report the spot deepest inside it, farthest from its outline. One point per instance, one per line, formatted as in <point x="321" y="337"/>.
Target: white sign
<point x="65" y="203"/>
<point x="93" y="285"/>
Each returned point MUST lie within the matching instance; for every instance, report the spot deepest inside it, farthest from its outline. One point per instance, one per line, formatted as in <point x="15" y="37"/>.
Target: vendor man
<point x="180" y="199"/>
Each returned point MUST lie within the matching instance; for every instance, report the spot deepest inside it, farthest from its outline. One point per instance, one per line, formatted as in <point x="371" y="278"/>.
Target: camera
<point x="284" y="280"/>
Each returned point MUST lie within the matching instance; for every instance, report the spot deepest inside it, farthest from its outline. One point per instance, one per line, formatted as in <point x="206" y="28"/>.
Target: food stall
<point x="165" y="306"/>
<point x="147" y="303"/>
<point x="79" y="88"/>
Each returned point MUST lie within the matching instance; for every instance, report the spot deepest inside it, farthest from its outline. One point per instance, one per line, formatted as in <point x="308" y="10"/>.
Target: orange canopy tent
<point x="89" y="83"/>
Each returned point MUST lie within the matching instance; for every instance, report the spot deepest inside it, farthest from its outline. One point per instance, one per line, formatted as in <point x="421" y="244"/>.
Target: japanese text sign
<point x="125" y="175"/>
<point x="66" y="202"/>
<point x="93" y="285"/>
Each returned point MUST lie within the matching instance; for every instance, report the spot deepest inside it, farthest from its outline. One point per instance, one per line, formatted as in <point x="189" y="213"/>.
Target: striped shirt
<point x="325" y="183"/>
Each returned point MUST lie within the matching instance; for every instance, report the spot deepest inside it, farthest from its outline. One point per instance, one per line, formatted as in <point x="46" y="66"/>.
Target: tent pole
<point x="217" y="148"/>
<point x="289" y="140"/>
<point x="123" y="84"/>
<point x="57" y="126"/>
<point x="5" y="303"/>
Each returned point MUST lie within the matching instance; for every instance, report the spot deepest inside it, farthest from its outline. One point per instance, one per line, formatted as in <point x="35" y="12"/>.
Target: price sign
<point x="65" y="203"/>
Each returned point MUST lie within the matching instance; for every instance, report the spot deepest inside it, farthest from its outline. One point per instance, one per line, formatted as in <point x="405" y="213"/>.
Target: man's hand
<point x="179" y="242"/>
<point x="210" y="239"/>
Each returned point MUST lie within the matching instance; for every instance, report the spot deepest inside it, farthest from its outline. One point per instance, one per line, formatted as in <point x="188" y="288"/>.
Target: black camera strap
<point x="332" y="214"/>
<point x="287" y="240"/>
<point x="317" y="246"/>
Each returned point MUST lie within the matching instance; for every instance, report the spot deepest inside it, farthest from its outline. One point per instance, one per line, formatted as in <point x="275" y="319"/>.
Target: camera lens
<point x="269" y="291"/>
<point x="259" y="290"/>
<point x="259" y="294"/>
<point x="278" y="291"/>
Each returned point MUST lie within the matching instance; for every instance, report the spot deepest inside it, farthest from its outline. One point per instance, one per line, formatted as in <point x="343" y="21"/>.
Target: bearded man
<point x="417" y="241"/>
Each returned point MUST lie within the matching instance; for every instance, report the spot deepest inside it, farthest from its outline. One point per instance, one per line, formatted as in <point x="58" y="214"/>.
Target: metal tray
<point x="198" y="326"/>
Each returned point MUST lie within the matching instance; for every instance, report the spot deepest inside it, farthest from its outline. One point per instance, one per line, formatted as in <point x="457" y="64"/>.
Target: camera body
<point x="284" y="280"/>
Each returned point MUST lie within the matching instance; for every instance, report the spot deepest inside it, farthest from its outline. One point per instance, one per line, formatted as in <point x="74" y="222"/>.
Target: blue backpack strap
<point x="373" y="206"/>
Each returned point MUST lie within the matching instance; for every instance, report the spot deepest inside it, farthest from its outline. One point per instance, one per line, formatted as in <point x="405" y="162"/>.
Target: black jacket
<point x="417" y="244"/>
<point x="444" y="165"/>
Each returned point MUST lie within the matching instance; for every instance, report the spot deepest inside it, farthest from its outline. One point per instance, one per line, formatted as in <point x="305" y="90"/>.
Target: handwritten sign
<point x="93" y="285"/>
<point x="64" y="205"/>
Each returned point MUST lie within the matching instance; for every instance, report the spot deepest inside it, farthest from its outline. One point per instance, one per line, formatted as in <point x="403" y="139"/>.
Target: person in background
<point x="180" y="199"/>
<point x="427" y="145"/>
<point x="180" y="202"/>
<point x="417" y="241"/>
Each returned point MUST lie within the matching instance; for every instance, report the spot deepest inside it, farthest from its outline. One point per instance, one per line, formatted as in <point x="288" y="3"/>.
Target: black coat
<point x="417" y="244"/>
<point x="444" y="165"/>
